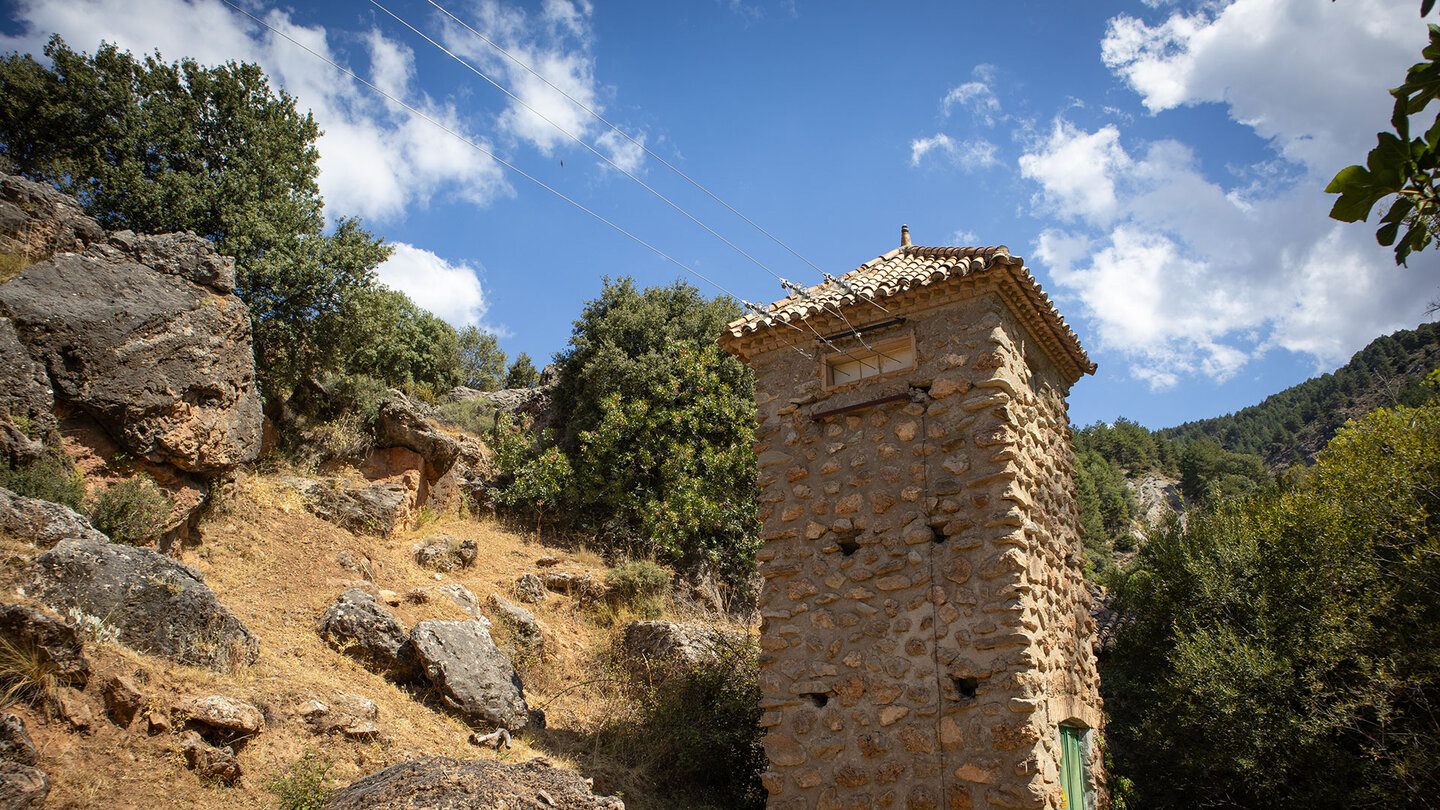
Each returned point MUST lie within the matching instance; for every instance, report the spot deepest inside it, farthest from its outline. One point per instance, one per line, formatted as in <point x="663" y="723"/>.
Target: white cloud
<point x="1282" y="67"/>
<point x="451" y="291"/>
<point x="559" y="49"/>
<point x="376" y="159"/>
<point x="627" y="155"/>
<point x="969" y="155"/>
<point x="1185" y="276"/>
<point x="976" y="96"/>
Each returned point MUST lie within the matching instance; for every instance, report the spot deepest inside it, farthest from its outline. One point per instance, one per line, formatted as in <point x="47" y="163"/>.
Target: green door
<point x="1072" y="766"/>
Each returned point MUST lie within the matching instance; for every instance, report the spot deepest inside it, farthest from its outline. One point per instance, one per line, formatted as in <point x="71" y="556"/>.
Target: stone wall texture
<point x="925" y="626"/>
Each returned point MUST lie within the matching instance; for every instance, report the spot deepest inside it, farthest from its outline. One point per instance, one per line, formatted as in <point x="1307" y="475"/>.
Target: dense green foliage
<point x="482" y="362"/>
<point x="522" y="373"/>
<point x="132" y="511"/>
<point x="1291" y="425"/>
<point x="158" y="147"/>
<point x="52" y="477"/>
<point x="1400" y="165"/>
<point x="698" y="731"/>
<point x="656" y="448"/>
<point x="1285" y="650"/>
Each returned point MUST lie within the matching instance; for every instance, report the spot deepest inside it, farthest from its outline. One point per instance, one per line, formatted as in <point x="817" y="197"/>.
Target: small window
<point x="857" y="364"/>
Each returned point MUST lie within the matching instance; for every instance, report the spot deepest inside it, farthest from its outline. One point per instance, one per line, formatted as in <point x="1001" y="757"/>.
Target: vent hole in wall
<point x="937" y="534"/>
<point x="819" y="699"/>
<point x="848" y="547"/>
<point x="966" y="687"/>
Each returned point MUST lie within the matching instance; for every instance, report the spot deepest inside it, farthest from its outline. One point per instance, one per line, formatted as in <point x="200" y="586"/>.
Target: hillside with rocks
<point x="190" y="618"/>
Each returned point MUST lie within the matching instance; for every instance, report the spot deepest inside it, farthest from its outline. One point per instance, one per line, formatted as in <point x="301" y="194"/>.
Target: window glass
<point x="857" y="365"/>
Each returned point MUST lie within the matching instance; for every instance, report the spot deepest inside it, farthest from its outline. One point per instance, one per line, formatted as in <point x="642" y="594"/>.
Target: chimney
<point x="904" y="236"/>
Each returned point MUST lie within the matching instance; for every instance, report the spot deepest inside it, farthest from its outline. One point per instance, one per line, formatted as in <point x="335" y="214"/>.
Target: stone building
<point x="926" y="636"/>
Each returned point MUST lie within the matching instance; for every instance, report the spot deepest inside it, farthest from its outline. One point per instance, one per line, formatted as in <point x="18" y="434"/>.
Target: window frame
<point x="892" y="345"/>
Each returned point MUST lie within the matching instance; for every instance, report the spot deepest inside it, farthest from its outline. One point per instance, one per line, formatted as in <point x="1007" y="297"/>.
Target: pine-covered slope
<point x="1292" y="426"/>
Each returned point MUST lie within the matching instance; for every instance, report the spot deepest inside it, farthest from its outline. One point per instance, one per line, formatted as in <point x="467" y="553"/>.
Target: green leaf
<point x="1358" y="194"/>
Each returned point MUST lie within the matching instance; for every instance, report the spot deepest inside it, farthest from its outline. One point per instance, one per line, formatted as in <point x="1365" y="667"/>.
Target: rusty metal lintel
<point x="860" y="330"/>
<point x="860" y="406"/>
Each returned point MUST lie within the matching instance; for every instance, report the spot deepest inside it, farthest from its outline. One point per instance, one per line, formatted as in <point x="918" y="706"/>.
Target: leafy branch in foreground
<point x="1400" y="165"/>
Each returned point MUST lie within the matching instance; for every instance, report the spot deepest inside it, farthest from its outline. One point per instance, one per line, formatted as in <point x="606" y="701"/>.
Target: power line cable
<point x="413" y="111"/>
<point x="622" y="133"/>
<point x="671" y="203"/>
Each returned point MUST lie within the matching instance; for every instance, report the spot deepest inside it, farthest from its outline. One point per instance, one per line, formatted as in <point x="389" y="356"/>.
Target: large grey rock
<point x="223" y="715"/>
<point x="165" y="364"/>
<point x="470" y="674"/>
<point x="26" y="400"/>
<point x="658" y="646"/>
<point x="42" y="522"/>
<point x="22" y="787"/>
<point x="528" y="631"/>
<point x="156" y="604"/>
<point x="380" y="508"/>
<point x="359" y="627"/>
<point x="441" y="783"/>
<point x="401" y="424"/>
<point x="55" y="642"/>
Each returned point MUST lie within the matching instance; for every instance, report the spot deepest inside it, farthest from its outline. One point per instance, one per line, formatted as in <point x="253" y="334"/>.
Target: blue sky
<point x="1158" y="164"/>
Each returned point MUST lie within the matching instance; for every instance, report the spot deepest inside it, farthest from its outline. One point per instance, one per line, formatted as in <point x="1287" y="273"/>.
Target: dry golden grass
<point x="274" y="565"/>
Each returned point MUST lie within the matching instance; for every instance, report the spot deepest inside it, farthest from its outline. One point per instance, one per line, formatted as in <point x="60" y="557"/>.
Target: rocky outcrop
<point x="223" y="716"/>
<point x="143" y="333"/>
<point x="15" y="744"/>
<point x="55" y="643"/>
<point x="380" y="508"/>
<point x="42" y="522"/>
<point x="210" y="762"/>
<point x="400" y="424"/>
<point x="470" y="674"/>
<point x="156" y="604"/>
<point x="36" y="221"/>
<point x="530" y="588"/>
<point x="671" y="644"/>
<point x="441" y="783"/>
<point x="25" y="400"/>
<point x="359" y="627"/>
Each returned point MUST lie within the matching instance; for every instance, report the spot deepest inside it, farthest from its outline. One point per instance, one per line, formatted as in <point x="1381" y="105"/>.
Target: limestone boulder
<point x="142" y="333"/>
<point x="22" y="787"/>
<point x="349" y="715"/>
<point x="529" y="633"/>
<point x="55" y="642"/>
<point x="15" y="743"/>
<point x="210" y="762"/>
<point x="36" y="221"/>
<point x="156" y="604"/>
<point x="660" y="645"/>
<point x="442" y="783"/>
<point x="470" y="674"/>
<point x="379" y="508"/>
<point x="401" y="424"/>
<point x="358" y="626"/>
<point x="42" y="522"/>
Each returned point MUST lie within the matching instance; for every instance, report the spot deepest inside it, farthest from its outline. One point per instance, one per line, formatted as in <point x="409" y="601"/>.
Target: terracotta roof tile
<point x="912" y="267"/>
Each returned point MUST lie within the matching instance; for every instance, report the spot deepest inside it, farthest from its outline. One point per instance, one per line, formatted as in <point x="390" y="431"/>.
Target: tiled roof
<point x="913" y="268"/>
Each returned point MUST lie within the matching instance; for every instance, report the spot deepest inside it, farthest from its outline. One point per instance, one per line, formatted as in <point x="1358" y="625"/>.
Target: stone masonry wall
<point x="925" y="627"/>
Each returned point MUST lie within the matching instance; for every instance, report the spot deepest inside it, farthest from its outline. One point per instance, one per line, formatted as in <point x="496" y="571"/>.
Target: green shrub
<point x="699" y="731"/>
<point x="473" y="415"/>
<point x="133" y="511"/>
<point x="52" y="477"/>
<point x="305" y="785"/>
<point x="639" y="584"/>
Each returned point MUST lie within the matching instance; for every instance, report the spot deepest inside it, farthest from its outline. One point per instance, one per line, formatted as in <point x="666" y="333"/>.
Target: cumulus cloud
<point x="969" y="155"/>
<point x="1188" y="275"/>
<point x="450" y="290"/>
<point x="376" y="159"/>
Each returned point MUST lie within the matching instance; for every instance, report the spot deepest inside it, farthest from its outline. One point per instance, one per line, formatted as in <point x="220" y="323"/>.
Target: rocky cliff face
<point x="125" y="343"/>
